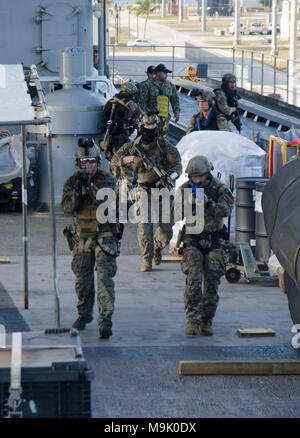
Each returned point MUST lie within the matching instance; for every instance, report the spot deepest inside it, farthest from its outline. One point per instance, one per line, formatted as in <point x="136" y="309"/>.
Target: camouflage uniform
<point x="166" y="156"/>
<point x="125" y="115"/>
<point x="222" y="103"/>
<point x="142" y="89"/>
<point x="147" y="99"/>
<point x="217" y="123"/>
<point x="204" y="257"/>
<point x="227" y="100"/>
<point x="94" y="243"/>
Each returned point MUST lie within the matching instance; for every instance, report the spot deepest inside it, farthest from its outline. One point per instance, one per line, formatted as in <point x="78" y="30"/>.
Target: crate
<point x="55" y="378"/>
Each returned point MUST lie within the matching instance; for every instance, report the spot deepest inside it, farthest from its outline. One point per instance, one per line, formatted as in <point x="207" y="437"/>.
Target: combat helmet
<point x="228" y="77"/>
<point x="206" y="96"/>
<point x="198" y="166"/>
<point x="149" y="118"/>
<point x="128" y="88"/>
<point x="87" y="148"/>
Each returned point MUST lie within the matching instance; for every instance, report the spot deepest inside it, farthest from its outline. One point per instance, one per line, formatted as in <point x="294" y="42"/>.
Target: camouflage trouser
<point x="85" y="255"/>
<point x="148" y="241"/>
<point x="202" y="305"/>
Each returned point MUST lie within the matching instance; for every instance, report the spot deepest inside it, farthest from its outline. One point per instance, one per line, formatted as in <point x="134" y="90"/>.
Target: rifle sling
<point x="124" y="104"/>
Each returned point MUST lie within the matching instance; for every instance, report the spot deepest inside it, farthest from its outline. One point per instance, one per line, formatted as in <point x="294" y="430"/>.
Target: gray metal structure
<point x="49" y="28"/>
<point x="75" y="112"/>
<point x="36" y="31"/>
<point x="262" y="248"/>
<point x="245" y="210"/>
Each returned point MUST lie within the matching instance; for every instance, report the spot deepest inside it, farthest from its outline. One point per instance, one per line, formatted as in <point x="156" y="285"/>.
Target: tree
<point x="144" y="8"/>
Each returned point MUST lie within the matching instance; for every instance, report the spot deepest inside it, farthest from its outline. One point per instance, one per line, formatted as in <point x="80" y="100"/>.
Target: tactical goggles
<point x="88" y="160"/>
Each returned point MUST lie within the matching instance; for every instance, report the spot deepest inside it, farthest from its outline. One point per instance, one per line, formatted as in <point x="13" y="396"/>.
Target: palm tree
<point x="144" y="8"/>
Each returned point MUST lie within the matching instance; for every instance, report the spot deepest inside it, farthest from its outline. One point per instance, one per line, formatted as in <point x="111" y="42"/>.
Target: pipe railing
<point x="262" y="72"/>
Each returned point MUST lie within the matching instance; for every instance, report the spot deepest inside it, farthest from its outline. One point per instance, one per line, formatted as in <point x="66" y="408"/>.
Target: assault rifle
<point x="236" y="120"/>
<point x="105" y="144"/>
<point x="164" y="178"/>
<point x="82" y="183"/>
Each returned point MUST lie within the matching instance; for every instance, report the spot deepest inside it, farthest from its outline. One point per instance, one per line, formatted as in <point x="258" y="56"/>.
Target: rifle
<point x="164" y="178"/>
<point x="105" y="144"/>
<point x="236" y="120"/>
<point x="82" y="183"/>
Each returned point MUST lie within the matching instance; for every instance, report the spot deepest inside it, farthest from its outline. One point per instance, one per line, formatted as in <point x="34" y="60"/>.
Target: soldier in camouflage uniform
<point x="92" y="242"/>
<point x="158" y="93"/>
<point x="142" y="86"/>
<point x="208" y="118"/>
<point x="227" y="99"/>
<point x="165" y="156"/>
<point x="203" y="256"/>
<point x="120" y="115"/>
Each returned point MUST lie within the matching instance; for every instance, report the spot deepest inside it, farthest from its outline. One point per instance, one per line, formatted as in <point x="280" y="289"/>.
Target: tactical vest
<point x="232" y="102"/>
<point x="86" y="222"/>
<point x="212" y="126"/>
<point x="213" y="191"/>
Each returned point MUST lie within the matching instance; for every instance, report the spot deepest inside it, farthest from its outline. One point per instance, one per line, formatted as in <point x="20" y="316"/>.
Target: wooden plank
<point x="171" y="259"/>
<point x="255" y="332"/>
<point x="4" y="260"/>
<point x="264" y="367"/>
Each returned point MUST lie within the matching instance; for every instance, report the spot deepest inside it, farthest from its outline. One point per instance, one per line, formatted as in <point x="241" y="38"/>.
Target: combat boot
<point x="146" y="266"/>
<point x="157" y="256"/>
<point x="81" y="322"/>
<point x="192" y="327"/>
<point x="206" y="328"/>
<point x="105" y="329"/>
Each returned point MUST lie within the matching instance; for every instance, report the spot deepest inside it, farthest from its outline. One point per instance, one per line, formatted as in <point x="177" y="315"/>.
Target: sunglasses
<point x="88" y="160"/>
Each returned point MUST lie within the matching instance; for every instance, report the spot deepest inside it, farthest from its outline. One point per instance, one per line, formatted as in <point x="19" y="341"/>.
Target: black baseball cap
<point x="162" y="67"/>
<point x="150" y="69"/>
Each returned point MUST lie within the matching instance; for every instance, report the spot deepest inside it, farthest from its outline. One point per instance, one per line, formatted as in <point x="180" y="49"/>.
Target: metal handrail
<point x="245" y="58"/>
